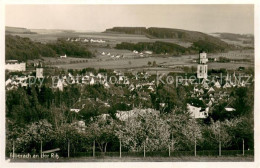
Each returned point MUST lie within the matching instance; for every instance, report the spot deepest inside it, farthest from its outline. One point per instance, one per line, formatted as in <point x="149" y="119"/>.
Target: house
<point x="125" y="115"/>
<point x="63" y="56"/>
<point x="107" y="105"/>
<point x="91" y="74"/>
<point x="242" y="84"/>
<point x="148" y="52"/>
<point x="126" y="82"/>
<point x="139" y="86"/>
<point x="151" y="88"/>
<point x="210" y="103"/>
<point x="195" y="89"/>
<point x="229" y="109"/>
<point x="227" y="85"/>
<point x="11" y="88"/>
<point x="121" y="78"/>
<point x="58" y="85"/>
<point x="212" y="99"/>
<point x="75" y="110"/>
<point x="205" y="86"/>
<point x="186" y="83"/>
<point x="8" y="81"/>
<point x="106" y="85"/>
<point x="85" y="79"/>
<point x="92" y="81"/>
<point x="104" y="116"/>
<point x="204" y="80"/>
<point x="80" y="125"/>
<point x="21" y="79"/>
<point x="211" y="90"/>
<point x="162" y="104"/>
<point x="99" y="76"/>
<point x="197" y="112"/>
<point x="24" y="84"/>
<point x="14" y="65"/>
<point x="201" y="91"/>
<point x="217" y="85"/>
<point x="131" y="87"/>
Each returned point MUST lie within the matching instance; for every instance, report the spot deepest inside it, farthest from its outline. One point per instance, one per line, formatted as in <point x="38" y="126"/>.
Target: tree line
<point x="23" y="49"/>
<point x="160" y="47"/>
<point x="42" y="114"/>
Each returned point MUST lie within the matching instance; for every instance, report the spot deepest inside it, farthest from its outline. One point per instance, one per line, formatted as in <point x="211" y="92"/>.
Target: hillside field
<point x="128" y="59"/>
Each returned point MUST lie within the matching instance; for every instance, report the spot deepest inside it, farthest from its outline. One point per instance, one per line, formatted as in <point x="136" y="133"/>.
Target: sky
<point x="204" y="18"/>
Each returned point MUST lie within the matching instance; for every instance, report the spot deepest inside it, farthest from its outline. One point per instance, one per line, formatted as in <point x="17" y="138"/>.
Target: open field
<point x="133" y="61"/>
<point x="167" y="63"/>
<point x="111" y="38"/>
<point x="146" y="159"/>
<point x="129" y="60"/>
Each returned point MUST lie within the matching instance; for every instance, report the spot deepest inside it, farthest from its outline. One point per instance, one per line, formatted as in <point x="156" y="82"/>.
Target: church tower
<point x="202" y="69"/>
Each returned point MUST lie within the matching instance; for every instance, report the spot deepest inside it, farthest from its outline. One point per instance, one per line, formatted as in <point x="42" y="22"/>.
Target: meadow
<point x="133" y="61"/>
<point x="128" y="59"/>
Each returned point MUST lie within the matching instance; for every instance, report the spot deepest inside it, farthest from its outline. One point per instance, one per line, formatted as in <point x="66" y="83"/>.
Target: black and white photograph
<point x="129" y="83"/>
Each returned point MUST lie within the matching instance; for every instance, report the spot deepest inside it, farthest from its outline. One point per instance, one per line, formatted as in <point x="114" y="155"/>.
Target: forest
<point x="23" y="49"/>
<point x="159" y="47"/>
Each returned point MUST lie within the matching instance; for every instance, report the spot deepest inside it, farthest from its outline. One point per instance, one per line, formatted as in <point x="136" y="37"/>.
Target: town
<point x="91" y="90"/>
<point x="89" y="95"/>
<point x="209" y="90"/>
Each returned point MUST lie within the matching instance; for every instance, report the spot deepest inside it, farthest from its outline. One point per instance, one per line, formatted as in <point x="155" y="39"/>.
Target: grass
<point x="131" y="60"/>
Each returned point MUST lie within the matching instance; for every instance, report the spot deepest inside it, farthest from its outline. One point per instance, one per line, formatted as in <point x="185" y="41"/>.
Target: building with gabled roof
<point x="227" y="85"/>
<point x="211" y="90"/>
<point x="217" y="85"/>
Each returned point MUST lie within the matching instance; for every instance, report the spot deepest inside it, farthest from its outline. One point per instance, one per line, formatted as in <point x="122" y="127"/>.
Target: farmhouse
<point x="148" y="52"/>
<point x="63" y="56"/>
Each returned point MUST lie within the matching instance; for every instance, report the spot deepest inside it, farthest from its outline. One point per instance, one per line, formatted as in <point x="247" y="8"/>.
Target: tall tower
<point x="202" y="69"/>
<point x="39" y="72"/>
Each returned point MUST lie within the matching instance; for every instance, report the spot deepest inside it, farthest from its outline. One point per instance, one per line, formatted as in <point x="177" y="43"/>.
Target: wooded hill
<point x="23" y="49"/>
<point x="201" y="41"/>
<point x="167" y="33"/>
<point x="160" y="47"/>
